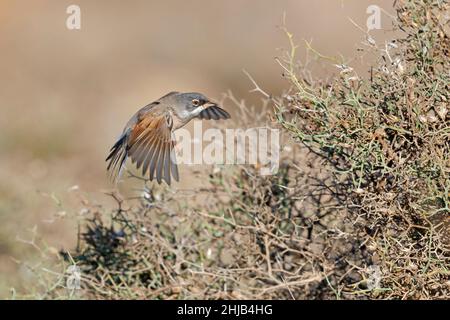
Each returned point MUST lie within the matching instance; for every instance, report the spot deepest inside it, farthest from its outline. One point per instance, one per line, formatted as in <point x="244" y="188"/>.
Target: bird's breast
<point x="179" y="119"/>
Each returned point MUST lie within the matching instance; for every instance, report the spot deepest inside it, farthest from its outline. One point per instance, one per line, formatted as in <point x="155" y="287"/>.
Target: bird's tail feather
<point x="117" y="157"/>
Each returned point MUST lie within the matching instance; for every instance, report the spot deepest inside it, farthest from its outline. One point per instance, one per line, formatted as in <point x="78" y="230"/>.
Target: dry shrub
<point x="248" y="239"/>
<point x="365" y="214"/>
<point x="387" y="141"/>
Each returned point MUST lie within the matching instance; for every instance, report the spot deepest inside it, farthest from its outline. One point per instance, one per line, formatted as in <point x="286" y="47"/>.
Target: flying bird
<point x="148" y="136"/>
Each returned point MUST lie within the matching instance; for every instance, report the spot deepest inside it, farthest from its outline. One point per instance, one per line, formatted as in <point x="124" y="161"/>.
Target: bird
<point x="148" y="136"/>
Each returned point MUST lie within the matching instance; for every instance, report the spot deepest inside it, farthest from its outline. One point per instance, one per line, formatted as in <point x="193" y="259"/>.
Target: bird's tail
<point x="117" y="157"/>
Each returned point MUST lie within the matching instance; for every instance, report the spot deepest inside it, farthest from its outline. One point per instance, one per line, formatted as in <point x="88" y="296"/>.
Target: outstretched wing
<point x="214" y="112"/>
<point x="151" y="147"/>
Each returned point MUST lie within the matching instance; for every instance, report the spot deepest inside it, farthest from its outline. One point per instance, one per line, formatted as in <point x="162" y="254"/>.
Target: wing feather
<point x="173" y="162"/>
<point x="167" y="164"/>
<point x="150" y="143"/>
<point x="147" y="155"/>
<point x="214" y="112"/>
<point x="154" y="160"/>
<point x="159" y="170"/>
<point x="141" y="152"/>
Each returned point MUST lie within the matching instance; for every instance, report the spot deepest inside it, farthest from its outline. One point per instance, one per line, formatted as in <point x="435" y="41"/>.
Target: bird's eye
<point x="196" y="102"/>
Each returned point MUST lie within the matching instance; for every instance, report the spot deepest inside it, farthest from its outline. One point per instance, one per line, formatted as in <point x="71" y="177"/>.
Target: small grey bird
<point x="148" y="136"/>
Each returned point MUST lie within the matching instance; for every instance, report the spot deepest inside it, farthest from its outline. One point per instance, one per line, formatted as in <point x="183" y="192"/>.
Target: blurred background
<point x="65" y="95"/>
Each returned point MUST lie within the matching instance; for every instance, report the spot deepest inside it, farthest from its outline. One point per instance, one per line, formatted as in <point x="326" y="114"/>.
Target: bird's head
<point x="189" y="105"/>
